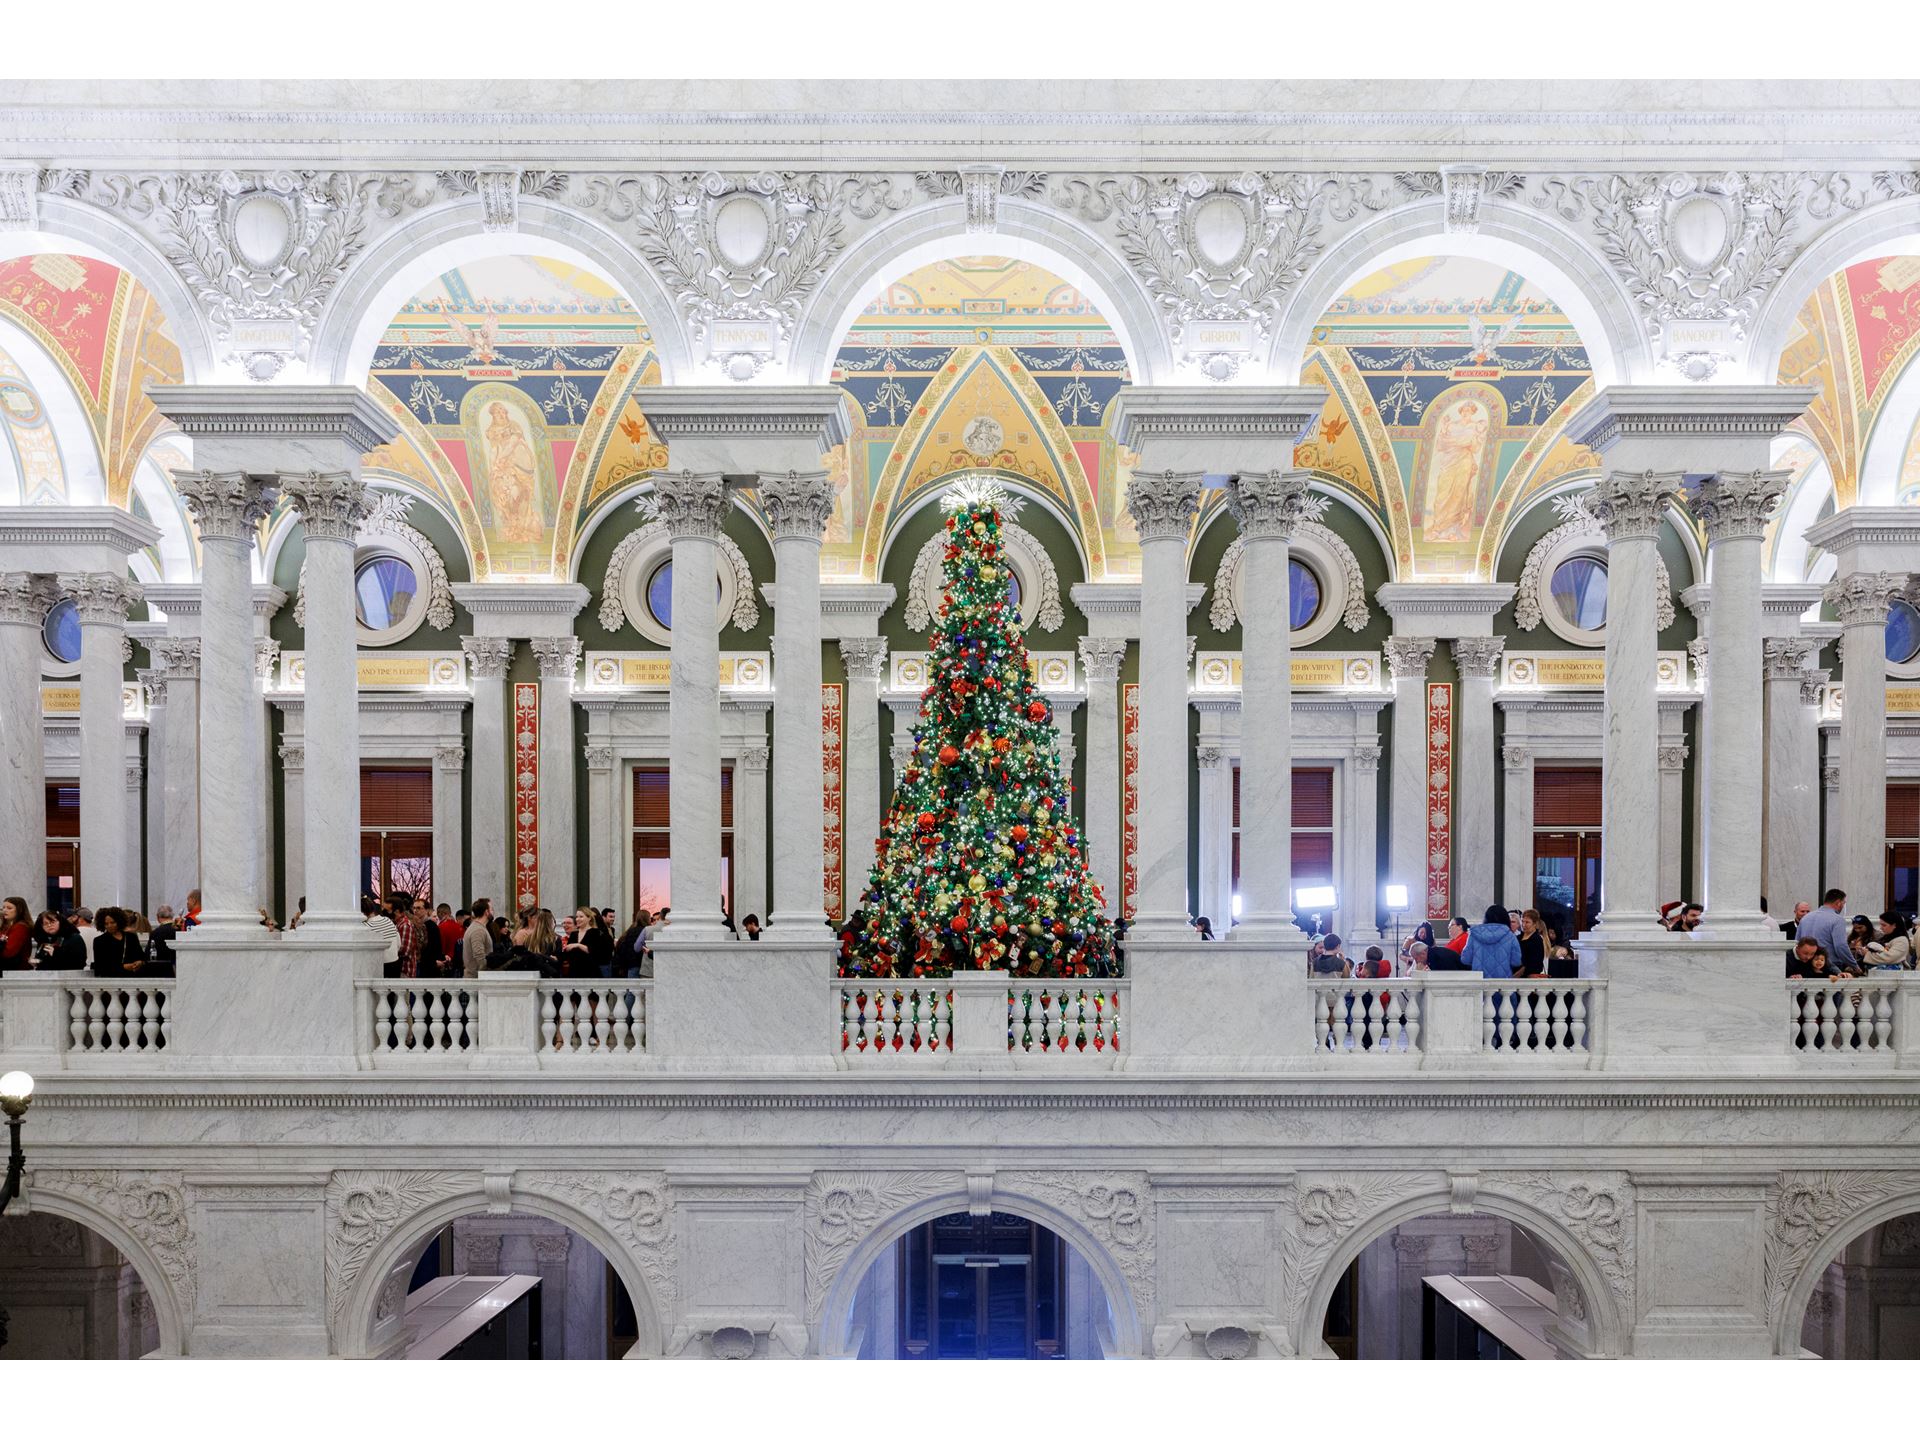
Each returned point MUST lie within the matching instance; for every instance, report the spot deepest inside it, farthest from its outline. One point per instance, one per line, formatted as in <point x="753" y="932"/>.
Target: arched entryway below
<point x="1864" y="1303"/>
<point x="1107" y="1323"/>
<point x="67" y="1292"/>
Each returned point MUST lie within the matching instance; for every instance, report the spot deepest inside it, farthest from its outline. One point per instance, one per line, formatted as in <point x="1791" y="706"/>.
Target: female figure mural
<point x="1453" y="473"/>
<point x="511" y="477"/>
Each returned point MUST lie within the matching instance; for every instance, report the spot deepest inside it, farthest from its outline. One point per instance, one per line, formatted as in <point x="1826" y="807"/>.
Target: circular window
<point x="1013" y="588"/>
<point x="60" y="632"/>
<point x="1578" y="591"/>
<point x="1303" y="595"/>
<point x="384" y="590"/>
<point x="1903" y="633"/>
<point x="660" y="594"/>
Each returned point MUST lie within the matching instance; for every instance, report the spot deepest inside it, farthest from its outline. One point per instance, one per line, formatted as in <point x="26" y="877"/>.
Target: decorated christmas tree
<point x="980" y="864"/>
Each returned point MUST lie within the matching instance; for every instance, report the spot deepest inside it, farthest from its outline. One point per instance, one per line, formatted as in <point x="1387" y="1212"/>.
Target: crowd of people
<point x="1827" y="945"/>
<point x="425" y="940"/>
<point x="112" y="941"/>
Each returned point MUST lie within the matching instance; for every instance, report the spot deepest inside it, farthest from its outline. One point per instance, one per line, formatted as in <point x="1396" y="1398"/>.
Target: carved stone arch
<point x="143" y="1214"/>
<point x="1888" y="228"/>
<point x="1040" y="596"/>
<point x="1024" y="230"/>
<point x="1534" y="242"/>
<point x="447" y="235"/>
<point x="1812" y="1216"/>
<point x="379" y="1222"/>
<point x="96" y="231"/>
<point x="1585" y="1220"/>
<point x="852" y="1218"/>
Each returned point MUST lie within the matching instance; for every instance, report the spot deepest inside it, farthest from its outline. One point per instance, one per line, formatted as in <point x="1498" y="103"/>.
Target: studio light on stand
<point x="1315" y="900"/>
<point x="1393" y="899"/>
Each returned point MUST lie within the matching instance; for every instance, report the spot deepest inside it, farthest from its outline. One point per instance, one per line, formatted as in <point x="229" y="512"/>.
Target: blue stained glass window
<point x="383" y="591"/>
<point x="1579" y="589"/>
<point x="61" y="632"/>
<point x="1303" y="594"/>
<point x="1903" y="633"/>
<point x="660" y="593"/>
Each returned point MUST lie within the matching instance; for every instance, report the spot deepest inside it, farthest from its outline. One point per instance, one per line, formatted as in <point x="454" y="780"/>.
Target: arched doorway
<point x="1865" y="1305"/>
<point x="994" y="1286"/>
<point x="1452" y="1287"/>
<point x="66" y="1293"/>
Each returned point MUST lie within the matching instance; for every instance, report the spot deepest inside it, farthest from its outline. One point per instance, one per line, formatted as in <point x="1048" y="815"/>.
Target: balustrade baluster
<point x="549" y="1021"/>
<point x="1882" y="1001"/>
<point x="1412" y="1000"/>
<point x="1486" y="1020"/>
<point x="166" y="1019"/>
<point x="77" y="1020"/>
<point x="150" y="1019"/>
<point x="1827" y="1012"/>
<point x="437" y="1022"/>
<point x="96" y="1026"/>
<point x="1577" y="1019"/>
<point x="602" y="1017"/>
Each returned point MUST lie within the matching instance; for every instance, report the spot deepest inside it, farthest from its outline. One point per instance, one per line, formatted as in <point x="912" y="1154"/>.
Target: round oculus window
<point x="1303" y="595"/>
<point x="384" y="591"/>
<point x="1903" y="632"/>
<point x="60" y="632"/>
<point x="1578" y="591"/>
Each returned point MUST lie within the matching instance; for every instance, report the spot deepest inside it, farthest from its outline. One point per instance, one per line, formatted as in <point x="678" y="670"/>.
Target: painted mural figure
<point x="511" y="477"/>
<point x="1453" y="474"/>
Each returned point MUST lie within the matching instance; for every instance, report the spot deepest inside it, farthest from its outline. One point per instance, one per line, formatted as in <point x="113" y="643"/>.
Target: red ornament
<point x="1037" y="710"/>
<point x="1019" y="832"/>
<point x="926" y="820"/>
<point x="948" y="754"/>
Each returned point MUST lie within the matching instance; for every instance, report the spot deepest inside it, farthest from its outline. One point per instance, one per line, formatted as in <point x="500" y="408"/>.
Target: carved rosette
<point x="865" y="658"/>
<point x="332" y="506"/>
<point x="1163" y="506"/>
<point x="691" y="506"/>
<point x="1735" y="505"/>
<point x="1809" y="1207"/>
<point x="1408" y="656"/>
<point x="798" y="504"/>
<point x="1101" y="656"/>
<point x="843" y="1208"/>
<point x="487" y="656"/>
<point x="1863" y="598"/>
<point x="1272" y="506"/>
<point x="364" y="1207"/>
<point x="1630" y="505"/>
<point x="226" y="505"/>
<point x="558" y="655"/>
<point x="25" y="598"/>
<point x="101" y="598"/>
<point x="1478" y="656"/>
<point x="1673" y="758"/>
<point x="150" y="1205"/>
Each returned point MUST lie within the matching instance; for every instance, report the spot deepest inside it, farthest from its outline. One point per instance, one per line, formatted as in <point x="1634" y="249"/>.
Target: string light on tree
<point x="980" y="864"/>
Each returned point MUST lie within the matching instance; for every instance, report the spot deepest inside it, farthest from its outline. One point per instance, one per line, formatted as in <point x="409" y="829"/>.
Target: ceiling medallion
<point x="983" y="437"/>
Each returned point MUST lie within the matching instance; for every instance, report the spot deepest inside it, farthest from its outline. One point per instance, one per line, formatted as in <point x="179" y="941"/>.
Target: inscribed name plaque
<point x="653" y="670"/>
<point x="1220" y="670"/>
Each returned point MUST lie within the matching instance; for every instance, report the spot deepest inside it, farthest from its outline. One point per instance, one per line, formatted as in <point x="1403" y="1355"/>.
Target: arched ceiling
<point x="970" y="363"/>
<point x="1449" y="382"/>
<point x="110" y="340"/>
<point x="512" y="378"/>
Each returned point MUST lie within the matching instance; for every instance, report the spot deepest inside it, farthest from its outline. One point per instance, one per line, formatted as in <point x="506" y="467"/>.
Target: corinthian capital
<point x="487" y="655"/>
<point x="1788" y="657"/>
<point x="1408" y="656"/>
<point x="1478" y="656"/>
<point x="865" y="658"/>
<point x="331" y="505"/>
<point x="101" y="598"/>
<point x="691" y="506"/>
<point x="179" y="657"/>
<point x="1862" y="599"/>
<point x="1102" y="656"/>
<point x="227" y="505"/>
<point x="1162" y="506"/>
<point x="25" y="598"/>
<point x="797" y="503"/>
<point x="557" y="654"/>
<point x="1630" y="505"/>
<point x="1272" y="506"/>
<point x="1735" y="504"/>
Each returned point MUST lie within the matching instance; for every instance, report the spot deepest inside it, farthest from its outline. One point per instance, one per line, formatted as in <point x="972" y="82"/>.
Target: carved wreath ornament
<point x="1580" y="524"/>
<point x="613" y="605"/>
<point x="923" y="590"/>
<point x="1224" y="612"/>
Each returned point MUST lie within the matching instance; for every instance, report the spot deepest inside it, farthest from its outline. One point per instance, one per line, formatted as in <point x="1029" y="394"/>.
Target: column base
<point x="231" y="926"/>
<point x="1268" y="930"/>
<point x="696" y="930"/>
<point x="1740" y="927"/>
<point x="798" y="927"/>
<point x="324" y="926"/>
<point x="1168" y="926"/>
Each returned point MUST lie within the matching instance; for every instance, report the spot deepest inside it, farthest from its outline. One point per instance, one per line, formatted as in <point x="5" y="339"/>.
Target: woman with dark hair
<point x="1422" y="935"/>
<point x="116" y="949"/>
<point x="56" y="945"/>
<point x="1892" y="945"/>
<point x="1446" y="956"/>
<point x="16" y="933"/>
<point x="1491" y="948"/>
<point x="1203" y="927"/>
<point x="1533" y="945"/>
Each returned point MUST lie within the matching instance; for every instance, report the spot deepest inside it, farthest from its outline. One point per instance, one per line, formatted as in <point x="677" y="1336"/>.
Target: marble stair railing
<point x="1873" y="1019"/>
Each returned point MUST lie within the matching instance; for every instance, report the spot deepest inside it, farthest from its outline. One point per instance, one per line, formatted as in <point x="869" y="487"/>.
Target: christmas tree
<point x="980" y="864"/>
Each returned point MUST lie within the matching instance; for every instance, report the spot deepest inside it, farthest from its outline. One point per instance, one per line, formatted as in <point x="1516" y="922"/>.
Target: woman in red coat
<point x="16" y="933"/>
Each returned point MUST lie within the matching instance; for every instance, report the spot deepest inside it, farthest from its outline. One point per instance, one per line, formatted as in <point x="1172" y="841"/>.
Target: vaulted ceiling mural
<point x="513" y="378"/>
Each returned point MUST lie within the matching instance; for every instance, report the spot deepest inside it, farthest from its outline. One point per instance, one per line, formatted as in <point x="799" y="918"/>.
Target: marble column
<point x="1362" y="899"/>
<point x="1859" y="602"/>
<point x="24" y="602"/>
<point x="1163" y="507"/>
<point x="228" y="507"/>
<point x="1478" y="657"/>
<point x="134" y="882"/>
<point x="1516" y="869"/>
<point x="153" y="684"/>
<point x="488" y="657"/>
<point x="179" y="771"/>
<point x="1733" y="507"/>
<point x="449" y="825"/>
<point x="1268" y="508"/>
<point x="750" y="837"/>
<point x="1791" y="787"/>
<point x="102" y="599"/>
<point x="1100" y="658"/>
<point x="559" y="657"/>
<point x="260" y="746"/>
<point x="693" y="506"/>
<point x="1215" y="900"/>
<point x="1673" y="805"/>
<point x="332" y="507"/>
<point x="1630" y="507"/>
<point x="865" y="658"/>
<point x="293" y="782"/>
<point x="797" y="505"/>
<point x="604" y="852"/>
<point x="1407" y="660"/>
